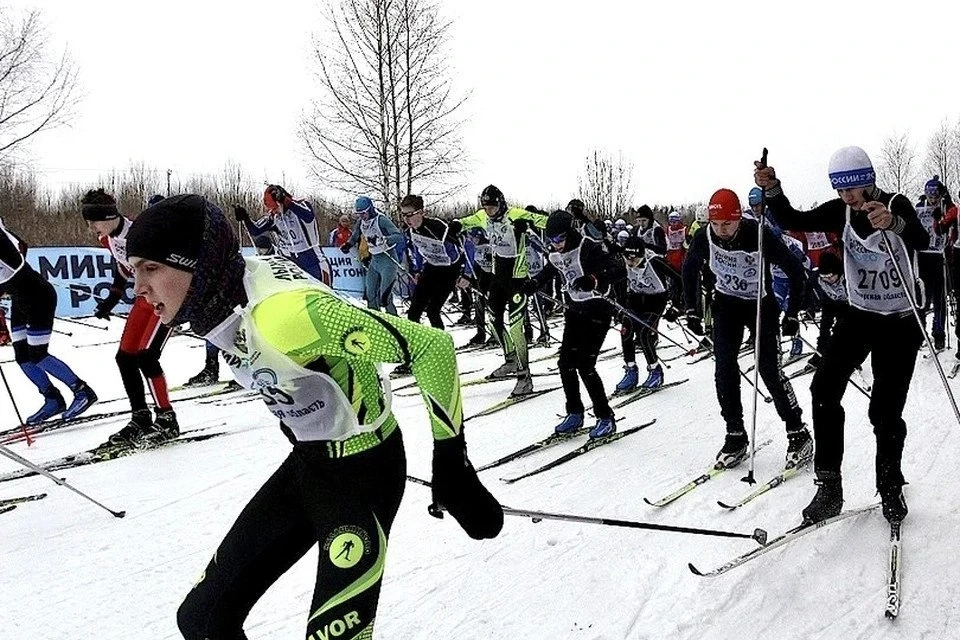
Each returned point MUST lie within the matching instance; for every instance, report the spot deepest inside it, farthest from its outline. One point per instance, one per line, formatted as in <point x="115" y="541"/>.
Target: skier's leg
<point x="777" y="384"/>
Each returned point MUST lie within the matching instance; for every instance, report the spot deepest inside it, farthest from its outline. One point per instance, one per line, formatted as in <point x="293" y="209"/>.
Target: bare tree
<point x="606" y="183"/>
<point x="941" y="157"/>
<point x="37" y="91"/>
<point x="897" y="169"/>
<point x="387" y="121"/>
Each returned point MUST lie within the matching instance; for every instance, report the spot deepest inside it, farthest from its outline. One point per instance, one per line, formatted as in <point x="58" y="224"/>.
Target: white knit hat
<point x="850" y="167"/>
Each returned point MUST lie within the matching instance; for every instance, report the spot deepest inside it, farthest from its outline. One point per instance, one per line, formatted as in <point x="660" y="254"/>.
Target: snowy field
<point x="70" y="570"/>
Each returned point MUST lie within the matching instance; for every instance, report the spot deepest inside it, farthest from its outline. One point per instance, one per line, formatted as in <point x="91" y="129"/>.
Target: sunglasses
<point x="410" y="214"/>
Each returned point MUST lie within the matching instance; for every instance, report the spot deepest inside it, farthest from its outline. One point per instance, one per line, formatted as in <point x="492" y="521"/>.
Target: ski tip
<point x="694" y="570"/>
<point x="727" y="506"/>
<point x="652" y="504"/>
<point x="119" y="514"/>
<point x="760" y="535"/>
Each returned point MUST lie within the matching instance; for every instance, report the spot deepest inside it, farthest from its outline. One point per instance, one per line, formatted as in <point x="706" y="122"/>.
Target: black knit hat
<point x="634" y="246"/>
<point x="558" y="223"/>
<point x="98" y="205"/>
<point x="830" y="264"/>
<point x="170" y="232"/>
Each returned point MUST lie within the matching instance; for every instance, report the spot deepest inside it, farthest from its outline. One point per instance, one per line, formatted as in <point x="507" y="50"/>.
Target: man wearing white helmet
<point x="880" y="321"/>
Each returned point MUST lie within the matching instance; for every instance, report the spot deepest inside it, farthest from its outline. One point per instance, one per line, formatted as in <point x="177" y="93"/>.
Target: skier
<point x="879" y="322"/>
<point x="930" y="265"/>
<point x="728" y="248"/>
<point x="293" y="226"/>
<point x="651" y="282"/>
<point x="33" y="308"/>
<point x="832" y="289"/>
<point x="382" y="237"/>
<point x="143" y="337"/>
<point x="588" y="271"/>
<point x="676" y="240"/>
<point x="650" y="231"/>
<point x="442" y="259"/>
<point x="313" y="356"/>
<point x="506" y="227"/>
<point x="478" y="274"/>
<point x="949" y="226"/>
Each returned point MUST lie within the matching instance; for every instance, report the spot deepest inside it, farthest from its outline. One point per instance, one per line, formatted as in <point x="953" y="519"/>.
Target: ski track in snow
<point x="68" y="569"/>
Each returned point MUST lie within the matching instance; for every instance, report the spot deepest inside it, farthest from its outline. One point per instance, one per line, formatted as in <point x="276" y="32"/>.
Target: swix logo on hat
<point x="724" y="205"/>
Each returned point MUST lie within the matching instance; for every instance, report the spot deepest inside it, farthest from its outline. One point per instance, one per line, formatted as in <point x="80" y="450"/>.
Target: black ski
<point x="8" y="501"/>
<point x="549" y="441"/>
<point x="586" y="447"/>
<point x="894" y="569"/>
<point x="7" y="509"/>
<point x="639" y="394"/>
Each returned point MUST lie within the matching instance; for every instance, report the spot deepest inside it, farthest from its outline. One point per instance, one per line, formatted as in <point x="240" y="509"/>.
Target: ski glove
<point x="457" y="489"/>
<point x="345" y="247"/>
<point x="694" y="323"/>
<point x="790" y="326"/>
<point x="584" y="283"/>
<point x="240" y="213"/>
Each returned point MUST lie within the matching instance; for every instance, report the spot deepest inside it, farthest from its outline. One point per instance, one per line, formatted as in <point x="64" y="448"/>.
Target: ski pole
<point x="855" y="385"/>
<point x="16" y="409"/>
<point x="749" y="479"/>
<point x="758" y="535"/>
<point x="83" y="324"/>
<point x="916" y="314"/>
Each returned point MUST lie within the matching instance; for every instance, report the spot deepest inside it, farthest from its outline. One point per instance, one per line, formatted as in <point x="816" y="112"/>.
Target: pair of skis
<point x="9" y="504"/>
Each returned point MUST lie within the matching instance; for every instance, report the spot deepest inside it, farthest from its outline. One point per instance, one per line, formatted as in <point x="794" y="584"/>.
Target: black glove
<point x="790" y="326"/>
<point x="529" y="287"/>
<point x="345" y="247"/>
<point x="670" y="314"/>
<point x="694" y="323"/>
<point x="240" y="213"/>
<point x="105" y="306"/>
<point x="457" y="488"/>
<point x="584" y="283"/>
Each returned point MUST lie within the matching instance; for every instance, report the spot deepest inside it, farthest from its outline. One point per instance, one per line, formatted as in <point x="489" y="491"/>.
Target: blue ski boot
<point x="654" y="377"/>
<point x="604" y="427"/>
<point x="571" y="423"/>
<point x="630" y="379"/>
<point x="796" y="347"/>
<point x="83" y="397"/>
<point x="52" y="405"/>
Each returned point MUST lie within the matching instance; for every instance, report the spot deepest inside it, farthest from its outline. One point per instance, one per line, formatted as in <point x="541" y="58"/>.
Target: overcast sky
<point x="689" y="91"/>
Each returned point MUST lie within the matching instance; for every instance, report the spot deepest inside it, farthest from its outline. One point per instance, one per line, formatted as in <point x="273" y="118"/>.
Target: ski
<point x="549" y="441"/>
<point x="589" y="445"/>
<point x="8" y="501"/>
<point x="780" y="541"/>
<point x="102" y="454"/>
<point x="639" y="394"/>
<point x="414" y="383"/>
<point x="7" y="509"/>
<point x="476" y="381"/>
<point x="773" y="482"/>
<point x="509" y="402"/>
<point x="954" y="371"/>
<point x="15" y="434"/>
<point x="806" y="369"/>
<point x="786" y="363"/>
<point x="711" y="473"/>
<point x="894" y="567"/>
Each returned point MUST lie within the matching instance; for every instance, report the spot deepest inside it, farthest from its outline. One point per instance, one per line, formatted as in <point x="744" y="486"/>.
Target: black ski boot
<point x="165" y="426"/>
<point x="402" y="369"/>
<point x="734" y="450"/>
<point x="828" y="500"/>
<point x="894" y="504"/>
<point x="135" y="431"/>
<point x="799" y="447"/>
<point x="210" y="374"/>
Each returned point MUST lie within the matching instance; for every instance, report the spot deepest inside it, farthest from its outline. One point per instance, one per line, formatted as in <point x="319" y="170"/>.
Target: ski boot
<point x="83" y="397"/>
<point x="164" y="427"/>
<point x="814" y="361"/>
<point x="894" y="505"/>
<point x="734" y="450"/>
<point x="828" y="500"/>
<point x="524" y="384"/>
<point x="233" y="385"/>
<point x="629" y="381"/>
<point x="140" y="426"/>
<point x="477" y="341"/>
<point x="210" y="374"/>
<point x="939" y="342"/>
<point x="402" y="369"/>
<point x="52" y="405"/>
<point x="799" y="447"/>
<point x="507" y="370"/>
<point x="604" y="427"/>
<point x="796" y="347"/>
<point x="654" y="377"/>
<point x="570" y="424"/>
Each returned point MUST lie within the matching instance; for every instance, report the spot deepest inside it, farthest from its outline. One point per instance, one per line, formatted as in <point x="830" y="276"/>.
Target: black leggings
<point x="649" y="309"/>
<point x="434" y="286"/>
<point x="345" y="505"/>
<point x="894" y="342"/>
<point x="33" y="308"/>
<point x="584" y="329"/>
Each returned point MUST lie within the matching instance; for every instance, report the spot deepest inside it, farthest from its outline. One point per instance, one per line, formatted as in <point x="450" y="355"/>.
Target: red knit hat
<point x="724" y="205"/>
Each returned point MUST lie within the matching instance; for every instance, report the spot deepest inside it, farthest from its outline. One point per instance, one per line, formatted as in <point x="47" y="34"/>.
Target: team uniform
<point x="314" y="358"/>
<point x="33" y="308"/>
<point x="588" y="271"/>
<point x="879" y="322"/>
<point x="676" y="238"/>
<point x="507" y="235"/>
<point x="931" y="267"/>
<point x="293" y="227"/>
<point x="734" y="262"/>
<point x="383" y="240"/>
<point x="440" y="256"/>
<point x="650" y="231"/>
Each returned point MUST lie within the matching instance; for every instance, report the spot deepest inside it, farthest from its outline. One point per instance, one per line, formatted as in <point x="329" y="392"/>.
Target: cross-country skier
<point x="930" y="265"/>
<point x="313" y="356"/>
<point x="478" y="273"/>
<point x="293" y="227"/>
<point x="650" y="231"/>
<point x="382" y="237"/>
<point x="588" y="272"/>
<point x="676" y="234"/>
<point x="651" y="283"/>
<point x="33" y="308"/>
<point x="143" y="337"/>
<point x="880" y="321"/>
<point x="506" y="228"/>
<point x="728" y="248"/>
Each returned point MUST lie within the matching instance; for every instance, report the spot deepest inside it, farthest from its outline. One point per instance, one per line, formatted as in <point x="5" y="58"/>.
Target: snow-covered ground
<point x="70" y="570"/>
